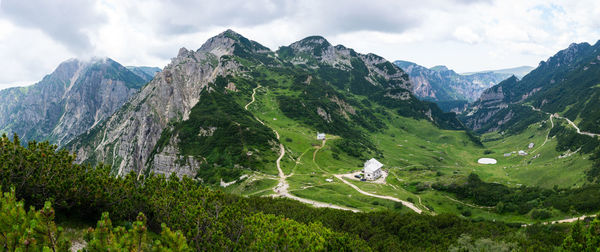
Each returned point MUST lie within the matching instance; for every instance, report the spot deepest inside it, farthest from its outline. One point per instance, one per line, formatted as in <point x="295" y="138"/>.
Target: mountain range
<point x="519" y="72"/>
<point x="233" y="108"/>
<point x="190" y="116"/>
<point x="450" y="90"/>
<point x="69" y="101"/>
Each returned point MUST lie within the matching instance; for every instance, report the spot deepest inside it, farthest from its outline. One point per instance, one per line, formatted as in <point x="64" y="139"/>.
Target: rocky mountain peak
<point x="568" y="56"/>
<point x="183" y="52"/>
<point x="230" y="42"/>
<point x="313" y="45"/>
<point x="67" y="69"/>
<point x="440" y="68"/>
<point x="69" y="101"/>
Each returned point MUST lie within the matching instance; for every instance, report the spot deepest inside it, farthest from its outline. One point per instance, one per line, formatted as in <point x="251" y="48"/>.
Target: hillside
<point x="450" y="90"/>
<point x="554" y="105"/>
<point x="172" y="214"/>
<point x="177" y="122"/>
<point x="69" y="101"/>
<point x="239" y="117"/>
<point x="564" y="84"/>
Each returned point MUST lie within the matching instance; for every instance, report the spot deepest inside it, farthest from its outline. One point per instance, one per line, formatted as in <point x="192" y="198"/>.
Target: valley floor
<point x="416" y="154"/>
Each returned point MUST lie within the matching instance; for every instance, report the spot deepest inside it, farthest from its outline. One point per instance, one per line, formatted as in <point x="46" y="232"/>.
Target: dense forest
<point x="172" y="214"/>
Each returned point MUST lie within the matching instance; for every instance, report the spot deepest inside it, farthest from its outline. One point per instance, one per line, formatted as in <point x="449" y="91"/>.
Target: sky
<point x="465" y="35"/>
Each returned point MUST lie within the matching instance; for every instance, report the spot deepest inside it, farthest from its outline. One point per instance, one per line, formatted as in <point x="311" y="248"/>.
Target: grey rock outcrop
<point x="69" y="101"/>
<point x="128" y="138"/>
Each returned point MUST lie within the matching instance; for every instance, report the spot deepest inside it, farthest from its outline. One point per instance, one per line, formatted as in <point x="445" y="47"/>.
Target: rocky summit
<point x="66" y="103"/>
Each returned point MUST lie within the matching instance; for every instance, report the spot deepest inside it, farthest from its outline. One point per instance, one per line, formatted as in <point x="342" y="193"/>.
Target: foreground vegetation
<point x="213" y="220"/>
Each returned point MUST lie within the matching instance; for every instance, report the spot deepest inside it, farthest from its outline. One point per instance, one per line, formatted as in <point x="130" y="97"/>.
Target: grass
<point x="253" y="185"/>
<point x="417" y="154"/>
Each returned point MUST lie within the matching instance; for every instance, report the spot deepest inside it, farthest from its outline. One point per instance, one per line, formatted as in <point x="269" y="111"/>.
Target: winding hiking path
<point x="282" y="187"/>
<point x="318" y="148"/>
<point x="577" y="128"/>
<point x="569" y="220"/>
<point x="405" y="203"/>
<point x="547" y="135"/>
<point x="253" y="99"/>
<point x="568" y="120"/>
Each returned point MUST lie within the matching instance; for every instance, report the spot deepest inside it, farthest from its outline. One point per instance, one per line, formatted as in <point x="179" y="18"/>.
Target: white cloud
<point x="467" y="35"/>
<point x="35" y="35"/>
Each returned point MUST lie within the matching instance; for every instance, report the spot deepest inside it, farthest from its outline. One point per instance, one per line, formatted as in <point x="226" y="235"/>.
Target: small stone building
<point x="372" y="169"/>
<point x="320" y="136"/>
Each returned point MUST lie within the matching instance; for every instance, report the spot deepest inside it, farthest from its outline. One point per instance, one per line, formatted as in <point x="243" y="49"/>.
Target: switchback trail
<point x="282" y="187"/>
<point x="568" y="120"/>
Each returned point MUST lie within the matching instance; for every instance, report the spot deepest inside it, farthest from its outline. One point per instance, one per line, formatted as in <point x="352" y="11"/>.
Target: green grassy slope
<point x="415" y="152"/>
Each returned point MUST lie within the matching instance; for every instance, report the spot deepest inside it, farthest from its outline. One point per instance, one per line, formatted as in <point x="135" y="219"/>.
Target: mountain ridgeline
<point x="450" y="90"/>
<point x="191" y="119"/>
<point x="566" y="84"/>
<point x="70" y="100"/>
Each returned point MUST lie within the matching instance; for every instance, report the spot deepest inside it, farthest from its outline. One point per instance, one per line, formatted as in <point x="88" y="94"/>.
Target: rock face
<point x="565" y="83"/>
<point x="316" y="51"/>
<point x="442" y="84"/>
<point x="127" y="139"/>
<point x="68" y="102"/>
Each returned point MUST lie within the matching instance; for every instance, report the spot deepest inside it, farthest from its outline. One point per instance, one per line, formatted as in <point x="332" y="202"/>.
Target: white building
<point x="530" y="145"/>
<point x="522" y="153"/>
<point x="372" y="169"/>
<point x="320" y="136"/>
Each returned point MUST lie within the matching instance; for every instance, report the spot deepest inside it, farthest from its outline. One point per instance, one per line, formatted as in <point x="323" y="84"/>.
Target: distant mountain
<point x="193" y="117"/>
<point x="516" y="71"/>
<point x="69" y="101"/>
<point x="144" y="72"/>
<point x="449" y="90"/>
<point x="567" y="83"/>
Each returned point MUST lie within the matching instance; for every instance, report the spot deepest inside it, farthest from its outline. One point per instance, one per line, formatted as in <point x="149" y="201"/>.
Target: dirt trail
<point x="253" y="93"/>
<point x="405" y="203"/>
<point x="569" y="220"/>
<point x="577" y="128"/>
<point x="547" y="136"/>
<point x="282" y="187"/>
<point x="318" y="148"/>
<point x="568" y="120"/>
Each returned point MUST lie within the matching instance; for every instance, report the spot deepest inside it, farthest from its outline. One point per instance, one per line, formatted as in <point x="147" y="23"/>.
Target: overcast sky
<point x="465" y="35"/>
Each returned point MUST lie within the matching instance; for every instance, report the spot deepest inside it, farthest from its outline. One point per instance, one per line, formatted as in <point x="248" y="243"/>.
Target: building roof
<point x="372" y="165"/>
